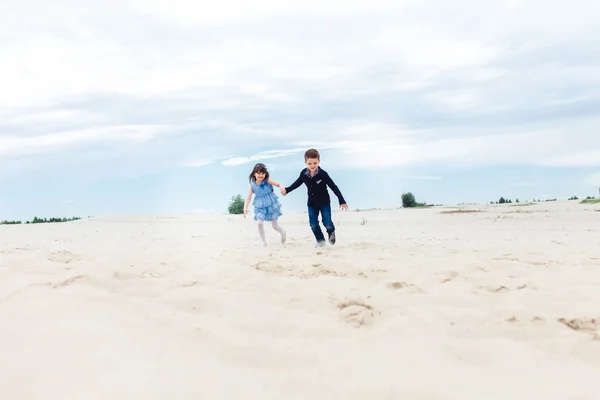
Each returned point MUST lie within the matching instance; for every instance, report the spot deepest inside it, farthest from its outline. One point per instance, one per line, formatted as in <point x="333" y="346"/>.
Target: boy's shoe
<point x="320" y="244"/>
<point x="332" y="238"/>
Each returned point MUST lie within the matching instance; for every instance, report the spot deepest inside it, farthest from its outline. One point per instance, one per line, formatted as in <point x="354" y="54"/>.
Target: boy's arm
<point x="336" y="190"/>
<point x="294" y="185"/>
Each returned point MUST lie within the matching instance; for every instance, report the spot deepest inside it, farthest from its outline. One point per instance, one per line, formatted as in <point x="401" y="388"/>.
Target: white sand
<point x="412" y="304"/>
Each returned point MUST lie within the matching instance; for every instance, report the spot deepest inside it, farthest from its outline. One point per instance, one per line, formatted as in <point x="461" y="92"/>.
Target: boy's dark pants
<point x="313" y="220"/>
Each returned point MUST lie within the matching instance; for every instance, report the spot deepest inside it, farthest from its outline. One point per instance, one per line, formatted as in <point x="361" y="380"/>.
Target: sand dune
<point x="502" y="303"/>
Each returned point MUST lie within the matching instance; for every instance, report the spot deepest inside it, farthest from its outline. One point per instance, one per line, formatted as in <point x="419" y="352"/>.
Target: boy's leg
<point x="328" y="223"/>
<point x="313" y="220"/>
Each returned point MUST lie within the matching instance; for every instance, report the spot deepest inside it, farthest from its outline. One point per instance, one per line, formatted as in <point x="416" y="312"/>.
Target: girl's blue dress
<point x="266" y="203"/>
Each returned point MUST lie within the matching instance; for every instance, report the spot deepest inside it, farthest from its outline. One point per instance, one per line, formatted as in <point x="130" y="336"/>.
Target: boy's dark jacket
<point x="316" y="187"/>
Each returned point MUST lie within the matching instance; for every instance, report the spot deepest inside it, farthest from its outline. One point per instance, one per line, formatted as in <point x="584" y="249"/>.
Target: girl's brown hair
<point x="260" y="167"/>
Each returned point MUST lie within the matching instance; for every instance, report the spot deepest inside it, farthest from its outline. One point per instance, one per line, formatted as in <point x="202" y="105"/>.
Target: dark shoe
<point x="332" y="238"/>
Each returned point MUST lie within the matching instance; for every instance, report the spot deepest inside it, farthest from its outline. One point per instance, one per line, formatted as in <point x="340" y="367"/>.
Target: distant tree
<point x="37" y="220"/>
<point x="408" y="200"/>
<point x="502" y="200"/>
<point x="236" y="206"/>
<point x="516" y="201"/>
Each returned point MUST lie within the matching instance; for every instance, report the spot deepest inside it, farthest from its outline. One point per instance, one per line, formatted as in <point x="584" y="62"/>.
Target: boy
<point x="317" y="180"/>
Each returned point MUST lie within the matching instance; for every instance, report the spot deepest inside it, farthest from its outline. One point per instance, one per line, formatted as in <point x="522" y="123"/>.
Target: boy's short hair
<point x="312" y="153"/>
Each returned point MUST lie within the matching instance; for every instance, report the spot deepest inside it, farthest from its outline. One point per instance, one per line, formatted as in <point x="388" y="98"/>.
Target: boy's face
<point x="312" y="164"/>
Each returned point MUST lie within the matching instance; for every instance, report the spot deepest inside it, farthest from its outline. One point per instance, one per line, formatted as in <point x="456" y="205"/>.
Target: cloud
<point x="234" y="161"/>
<point x="580" y="158"/>
<point x="18" y="145"/>
<point x="198" y="163"/>
<point x="54" y="116"/>
<point x="561" y="144"/>
<point x="127" y="87"/>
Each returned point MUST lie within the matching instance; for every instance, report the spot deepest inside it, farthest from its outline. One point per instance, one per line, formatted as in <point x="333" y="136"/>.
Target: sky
<point x="135" y="107"/>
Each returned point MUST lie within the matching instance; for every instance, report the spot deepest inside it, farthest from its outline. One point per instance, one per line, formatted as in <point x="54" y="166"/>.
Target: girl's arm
<point x="274" y="183"/>
<point x="247" y="202"/>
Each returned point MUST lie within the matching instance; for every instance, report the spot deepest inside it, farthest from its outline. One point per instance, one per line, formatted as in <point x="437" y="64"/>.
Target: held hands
<point x="283" y="192"/>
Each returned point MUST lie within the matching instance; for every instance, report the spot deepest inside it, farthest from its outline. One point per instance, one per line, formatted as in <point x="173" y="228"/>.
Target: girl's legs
<point x="261" y="231"/>
<point x="279" y="229"/>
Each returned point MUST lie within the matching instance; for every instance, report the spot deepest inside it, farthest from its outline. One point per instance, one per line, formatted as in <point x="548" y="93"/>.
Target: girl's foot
<point x="283" y="237"/>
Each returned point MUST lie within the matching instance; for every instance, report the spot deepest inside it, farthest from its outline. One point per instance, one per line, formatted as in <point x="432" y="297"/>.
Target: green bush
<point x="590" y="200"/>
<point x="37" y="220"/>
<point x="236" y="206"/>
<point x="10" y="222"/>
<point x="408" y="200"/>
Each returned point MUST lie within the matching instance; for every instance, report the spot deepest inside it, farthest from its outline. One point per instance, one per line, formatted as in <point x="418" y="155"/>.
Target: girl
<point x="266" y="204"/>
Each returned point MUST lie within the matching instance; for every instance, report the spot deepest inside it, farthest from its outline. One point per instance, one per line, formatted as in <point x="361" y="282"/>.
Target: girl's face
<point x="259" y="175"/>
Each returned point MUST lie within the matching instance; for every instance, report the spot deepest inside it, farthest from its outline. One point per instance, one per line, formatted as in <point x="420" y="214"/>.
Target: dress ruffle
<point x="266" y="203"/>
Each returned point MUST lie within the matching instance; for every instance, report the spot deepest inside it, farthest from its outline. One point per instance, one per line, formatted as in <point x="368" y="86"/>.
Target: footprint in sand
<point x="124" y="275"/>
<point x="541" y="263"/>
<point x="96" y="283"/>
<point x="379" y="270"/>
<point x="506" y="257"/>
<point x="450" y="277"/>
<point x="495" y="289"/>
<point x="67" y="282"/>
<point x="305" y="271"/>
<point x="63" y="256"/>
<point x="587" y="325"/>
<point x="190" y="284"/>
<point x="61" y="284"/>
<point x="403" y="285"/>
<point x="8" y="251"/>
<point x="150" y="274"/>
<point x="356" y="312"/>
